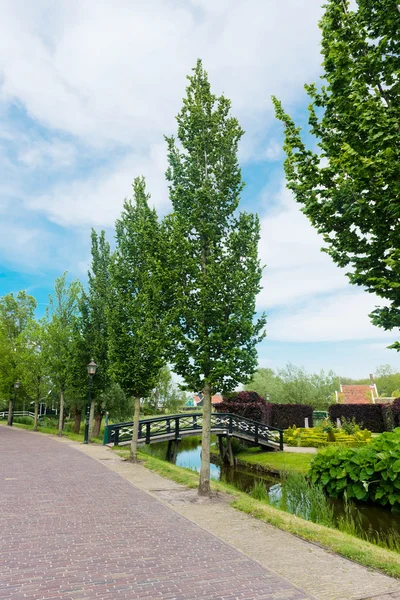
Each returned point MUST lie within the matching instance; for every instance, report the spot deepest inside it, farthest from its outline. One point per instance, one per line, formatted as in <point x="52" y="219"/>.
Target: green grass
<point x="76" y="437"/>
<point x="278" y="461"/>
<point x="346" y="545"/>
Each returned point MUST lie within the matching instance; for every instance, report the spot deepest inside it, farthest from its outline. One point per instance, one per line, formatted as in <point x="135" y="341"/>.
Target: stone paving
<point x="71" y="529"/>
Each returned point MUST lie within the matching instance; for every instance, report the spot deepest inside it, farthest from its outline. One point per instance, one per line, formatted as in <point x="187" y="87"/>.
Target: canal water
<point x="371" y="518"/>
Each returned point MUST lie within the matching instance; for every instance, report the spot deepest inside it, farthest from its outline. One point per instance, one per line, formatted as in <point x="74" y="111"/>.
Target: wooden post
<point x="229" y="451"/>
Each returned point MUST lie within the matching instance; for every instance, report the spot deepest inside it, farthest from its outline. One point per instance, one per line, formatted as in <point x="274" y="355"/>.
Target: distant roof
<point x="357" y="394"/>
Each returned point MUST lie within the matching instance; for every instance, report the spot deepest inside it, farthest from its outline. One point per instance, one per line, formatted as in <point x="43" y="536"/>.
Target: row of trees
<point x="295" y="385"/>
<point x="180" y="291"/>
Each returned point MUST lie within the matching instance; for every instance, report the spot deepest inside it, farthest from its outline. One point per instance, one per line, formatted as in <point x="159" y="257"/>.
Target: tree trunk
<point x="77" y="420"/>
<point x="97" y="424"/>
<point x="135" y="432"/>
<point x="61" y="414"/>
<point x="35" y="418"/>
<point x="10" y="412"/>
<point x="91" y="417"/>
<point x="204" y="483"/>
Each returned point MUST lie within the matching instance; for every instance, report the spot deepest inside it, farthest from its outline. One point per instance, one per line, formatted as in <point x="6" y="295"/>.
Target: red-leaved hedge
<point x="246" y="404"/>
<point x="252" y="406"/>
<point x="369" y="416"/>
<point x="287" y="415"/>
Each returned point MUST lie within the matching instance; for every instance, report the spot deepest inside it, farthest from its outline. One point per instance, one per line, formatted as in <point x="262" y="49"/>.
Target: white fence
<point x="17" y="413"/>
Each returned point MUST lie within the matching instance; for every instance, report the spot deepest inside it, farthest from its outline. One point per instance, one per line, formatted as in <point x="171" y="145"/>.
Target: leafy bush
<point x="23" y="420"/>
<point x="246" y="404"/>
<point x="368" y="474"/>
<point x="395" y="410"/>
<point x="350" y="426"/>
<point x="369" y="416"/>
<point x="287" y="415"/>
<point x="252" y="406"/>
<point x="244" y="397"/>
<point x="255" y="411"/>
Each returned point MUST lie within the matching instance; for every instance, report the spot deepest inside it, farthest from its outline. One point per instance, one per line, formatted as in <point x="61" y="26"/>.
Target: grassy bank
<point x="343" y="544"/>
<point x="76" y="437"/>
<point x="276" y="462"/>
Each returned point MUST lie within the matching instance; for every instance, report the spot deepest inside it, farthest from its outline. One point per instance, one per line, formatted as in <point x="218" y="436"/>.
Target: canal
<point x="371" y="519"/>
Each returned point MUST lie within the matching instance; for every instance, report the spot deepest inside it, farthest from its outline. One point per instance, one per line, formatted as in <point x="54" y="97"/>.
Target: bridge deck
<point x="171" y="436"/>
<point x="174" y="427"/>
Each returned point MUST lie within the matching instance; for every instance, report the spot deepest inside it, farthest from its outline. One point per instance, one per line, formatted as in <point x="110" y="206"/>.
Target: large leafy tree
<point x="16" y="313"/>
<point x="34" y="376"/>
<point x="136" y="323"/>
<point x="60" y="323"/>
<point x="214" y="272"/>
<point x="350" y="187"/>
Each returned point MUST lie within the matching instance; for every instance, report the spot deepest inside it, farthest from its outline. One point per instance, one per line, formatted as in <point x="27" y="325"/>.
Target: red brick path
<point x="72" y="529"/>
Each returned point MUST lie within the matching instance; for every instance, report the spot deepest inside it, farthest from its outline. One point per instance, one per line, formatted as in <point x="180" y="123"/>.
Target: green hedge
<point x="317" y="438"/>
<point x="370" y="474"/>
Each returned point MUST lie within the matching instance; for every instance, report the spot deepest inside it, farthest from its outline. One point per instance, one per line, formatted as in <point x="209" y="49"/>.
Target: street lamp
<point x="91" y="372"/>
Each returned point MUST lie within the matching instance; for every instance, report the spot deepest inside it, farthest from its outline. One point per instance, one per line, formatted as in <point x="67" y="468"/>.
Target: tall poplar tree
<point x="214" y="273"/>
<point x="350" y="188"/>
<point x="137" y="334"/>
<point x="92" y="338"/>
<point x="60" y="320"/>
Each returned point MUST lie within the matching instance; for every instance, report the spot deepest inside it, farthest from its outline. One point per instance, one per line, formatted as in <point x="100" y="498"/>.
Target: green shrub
<point x="350" y="426"/>
<point x="370" y="473"/>
<point x="23" y="420"/>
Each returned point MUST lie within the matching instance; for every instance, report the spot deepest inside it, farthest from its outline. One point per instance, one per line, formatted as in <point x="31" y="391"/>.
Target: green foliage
<point x="136" y="328"/>
<point x="259" y="491"/>
<point x="59" y="325"/>
<point x="165" y="396"/>
<point x="90" y="340"/>
<point x="350" y="426"/>
<point x="368" y="474"/>
<point x="350" y="190"/>
<point x="214" y="272"/>
<point x="319" y="437"/>
<point x="16" y="314"/>
<point x="294" y="385"/>
<point x="23" y="420"/>
<point x="305" y="499"/>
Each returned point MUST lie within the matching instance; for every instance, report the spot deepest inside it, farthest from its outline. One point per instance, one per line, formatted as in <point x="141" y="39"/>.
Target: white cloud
<point x="291" y="249"/>
<point x="45" y="154"/>
<point x="115" y="72"/>
<point x="343" y="316"/>
<point x="97" y="200"/>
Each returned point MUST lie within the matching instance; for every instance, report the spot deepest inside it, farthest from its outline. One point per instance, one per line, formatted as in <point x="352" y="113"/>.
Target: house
<point x="196" y="400"/>
<point x="360" y="394"/>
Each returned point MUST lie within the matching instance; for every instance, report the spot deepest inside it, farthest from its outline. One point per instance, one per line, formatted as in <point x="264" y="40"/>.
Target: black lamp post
<point x="91" y="372"/>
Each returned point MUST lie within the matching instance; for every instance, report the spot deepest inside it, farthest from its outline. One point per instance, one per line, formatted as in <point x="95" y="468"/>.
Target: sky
<point x="89" y="88"/>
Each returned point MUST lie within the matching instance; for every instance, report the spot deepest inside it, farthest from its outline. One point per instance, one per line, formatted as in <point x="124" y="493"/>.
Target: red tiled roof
<point x="216" y="399"/>
<point x="356" y="394"/>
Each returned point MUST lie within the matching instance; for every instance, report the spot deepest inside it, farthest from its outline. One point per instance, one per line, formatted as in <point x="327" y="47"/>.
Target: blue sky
<point x="87" y="91"/>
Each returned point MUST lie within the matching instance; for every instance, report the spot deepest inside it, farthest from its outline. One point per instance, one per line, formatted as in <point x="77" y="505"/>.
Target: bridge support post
<point x="225" y="451"/>
<point x="172" y="450"/>
<point x="229" y="452"/>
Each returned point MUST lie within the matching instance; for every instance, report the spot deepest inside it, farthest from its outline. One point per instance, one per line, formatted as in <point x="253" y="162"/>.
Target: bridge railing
<point x="173" y="426"/>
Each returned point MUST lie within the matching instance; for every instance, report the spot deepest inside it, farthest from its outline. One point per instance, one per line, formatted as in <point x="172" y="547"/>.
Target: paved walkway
<point x="107" y="538"/>
<point x="72" y="529"/>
